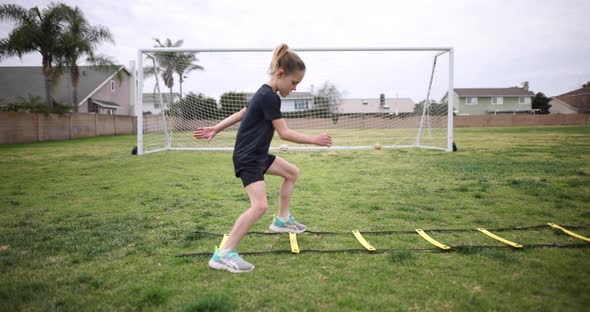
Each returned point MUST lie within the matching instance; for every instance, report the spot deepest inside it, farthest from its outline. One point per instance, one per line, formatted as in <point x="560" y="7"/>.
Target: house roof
<point x="514" y="91"/>
<point x="106" y="104"/>
<point x="578" y="99"/>
<point x="25" y="80"/>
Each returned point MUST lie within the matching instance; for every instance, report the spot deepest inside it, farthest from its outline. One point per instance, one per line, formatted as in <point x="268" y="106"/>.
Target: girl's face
<point x="288" y="83"/>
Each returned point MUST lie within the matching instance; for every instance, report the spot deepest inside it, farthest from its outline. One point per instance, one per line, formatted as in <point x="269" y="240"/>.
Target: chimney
<point x="525" y="85"/>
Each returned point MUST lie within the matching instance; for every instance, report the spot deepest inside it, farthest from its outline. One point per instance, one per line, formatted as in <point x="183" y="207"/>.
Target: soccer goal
<point x="365" y="98"/>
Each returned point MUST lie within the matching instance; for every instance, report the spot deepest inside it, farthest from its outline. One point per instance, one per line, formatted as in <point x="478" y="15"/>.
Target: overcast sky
<point x="497" y="43"/>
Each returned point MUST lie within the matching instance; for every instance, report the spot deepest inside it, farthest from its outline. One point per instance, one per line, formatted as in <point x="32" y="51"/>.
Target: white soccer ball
<point x="284" y="148"/>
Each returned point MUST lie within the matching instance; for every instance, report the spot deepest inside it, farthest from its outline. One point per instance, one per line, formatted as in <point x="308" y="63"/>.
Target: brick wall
<point x="520" y="120"/>
<point x="28" y="128"/>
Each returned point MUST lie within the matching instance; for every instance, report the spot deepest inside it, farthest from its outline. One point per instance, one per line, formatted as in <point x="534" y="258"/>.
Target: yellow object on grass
<point x="432" y="240"/>
<point x="568" y="232"/>
<point x="498" y="238"/>
<point x="294" y="245"/>
<point x="362" y="240"/>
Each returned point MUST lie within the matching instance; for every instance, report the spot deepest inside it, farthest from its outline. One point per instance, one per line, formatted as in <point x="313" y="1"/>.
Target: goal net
<point x="364" y="98"/>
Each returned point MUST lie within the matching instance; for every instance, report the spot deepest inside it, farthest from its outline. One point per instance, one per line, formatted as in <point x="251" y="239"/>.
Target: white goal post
<point x="366" y="98"/>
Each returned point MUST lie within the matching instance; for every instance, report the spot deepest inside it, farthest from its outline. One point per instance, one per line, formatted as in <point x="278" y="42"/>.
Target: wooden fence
<point x="28" y="127"/>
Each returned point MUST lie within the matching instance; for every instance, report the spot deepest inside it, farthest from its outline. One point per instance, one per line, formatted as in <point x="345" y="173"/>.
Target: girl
<point x="251" y="159"/>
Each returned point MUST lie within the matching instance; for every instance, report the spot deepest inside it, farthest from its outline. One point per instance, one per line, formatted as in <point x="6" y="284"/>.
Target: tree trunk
<point x="180" y="84"/>
<point x="75" y="81"/>
<point x="75" y="95"/>
<point x="48" y="72"/>
<point x="48" y="97"/>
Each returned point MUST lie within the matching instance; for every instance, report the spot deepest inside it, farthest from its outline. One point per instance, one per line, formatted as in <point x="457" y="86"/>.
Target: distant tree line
<point x="202" y="107"/>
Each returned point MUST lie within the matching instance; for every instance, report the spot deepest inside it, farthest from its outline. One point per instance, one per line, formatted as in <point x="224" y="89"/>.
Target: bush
<point x="34" y="104"/>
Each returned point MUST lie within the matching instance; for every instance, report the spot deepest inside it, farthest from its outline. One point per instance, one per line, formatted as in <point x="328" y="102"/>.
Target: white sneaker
<point x="289" y="226"/>
<point x="230" y="261"/>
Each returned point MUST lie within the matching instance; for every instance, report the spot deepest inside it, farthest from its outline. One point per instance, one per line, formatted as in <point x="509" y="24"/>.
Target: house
<point x="294" y="102"/>
<point x="574" y="102"/>
<point x="303" y="101"/>
<point x="152" y="102"/>
<point x="482" y="101"/>
<point x="101" y="92"/>
<point x="376" y="105"/>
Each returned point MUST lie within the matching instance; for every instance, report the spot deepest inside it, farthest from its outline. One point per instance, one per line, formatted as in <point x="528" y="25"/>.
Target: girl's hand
<point x="324" y="139"/>
<point x="205" y="133"/>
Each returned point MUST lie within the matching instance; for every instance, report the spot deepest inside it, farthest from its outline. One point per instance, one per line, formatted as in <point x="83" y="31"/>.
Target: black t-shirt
<point x="256" y="130"/>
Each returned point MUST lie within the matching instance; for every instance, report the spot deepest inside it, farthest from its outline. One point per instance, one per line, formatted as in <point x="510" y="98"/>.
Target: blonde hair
<point x="286" y="60"/>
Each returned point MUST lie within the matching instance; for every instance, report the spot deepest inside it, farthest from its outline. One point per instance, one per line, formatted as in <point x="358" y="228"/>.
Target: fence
<point x="28" y="127"/>
<point x="520" y="120"/>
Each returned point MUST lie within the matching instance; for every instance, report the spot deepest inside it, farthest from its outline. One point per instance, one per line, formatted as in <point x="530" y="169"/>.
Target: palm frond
<point x="14" y="13"/>
<point x="107" y="64"/>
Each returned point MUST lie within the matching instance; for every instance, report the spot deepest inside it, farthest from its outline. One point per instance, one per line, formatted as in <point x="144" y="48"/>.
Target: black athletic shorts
<point x="250" y="175"/>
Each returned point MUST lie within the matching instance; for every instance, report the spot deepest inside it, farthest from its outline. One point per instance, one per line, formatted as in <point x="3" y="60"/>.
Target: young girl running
<point x="251" y="159"/>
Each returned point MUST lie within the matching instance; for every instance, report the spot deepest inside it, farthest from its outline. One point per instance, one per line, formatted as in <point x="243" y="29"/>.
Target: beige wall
<point x="18" y="128"/>
<point x="558" y="107"/>
<point x="520" y="120"/>
<point x="28" y="128"/>
<point x="53" y="127"/>
<point x="83" y="125"/>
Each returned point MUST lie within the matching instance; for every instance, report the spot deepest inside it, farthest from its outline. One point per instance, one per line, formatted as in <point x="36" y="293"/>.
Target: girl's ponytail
<point x="286" y="60"/>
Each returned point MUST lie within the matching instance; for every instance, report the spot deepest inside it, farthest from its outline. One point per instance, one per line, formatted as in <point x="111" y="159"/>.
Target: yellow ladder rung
<point x="498" y="238"/>
<point x="362" y="240"/>
<point x="294" y="245"/>
<point x="432" y="240"/>
<point x="223" y="241"/>
<point x="568" y="232"/>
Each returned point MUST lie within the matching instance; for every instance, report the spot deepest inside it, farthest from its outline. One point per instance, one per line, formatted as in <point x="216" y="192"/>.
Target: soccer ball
<point x="284" y="148"/>
<point x="377" y="146"/>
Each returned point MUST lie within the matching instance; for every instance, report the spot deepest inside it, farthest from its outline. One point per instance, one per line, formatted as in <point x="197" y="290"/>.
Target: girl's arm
<point x="210" y="132"/>
<point x="291" y="135"/>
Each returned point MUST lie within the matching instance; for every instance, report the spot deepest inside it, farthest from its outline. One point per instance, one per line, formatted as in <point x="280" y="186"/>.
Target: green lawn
<point x="85" y="226"/>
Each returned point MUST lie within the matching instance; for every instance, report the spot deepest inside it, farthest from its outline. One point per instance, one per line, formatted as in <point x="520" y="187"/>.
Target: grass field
<point x="85" y="226"/>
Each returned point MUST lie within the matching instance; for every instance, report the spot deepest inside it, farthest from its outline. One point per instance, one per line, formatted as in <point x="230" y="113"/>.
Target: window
<point x="112" y="85"/>
<point x="471" y="100"/>
<point x="498" y="100"/>
<point x="524" y="100"/>
<point x="301" y="105"/>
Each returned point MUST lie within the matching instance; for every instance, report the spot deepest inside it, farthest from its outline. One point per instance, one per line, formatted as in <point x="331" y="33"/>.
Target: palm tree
<point x="35" y="31"/>
<point x="169" y="63"/>
<point x="81" y="39"/>
<point x="184" y="65"/>
<point x="166" y="61"/>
